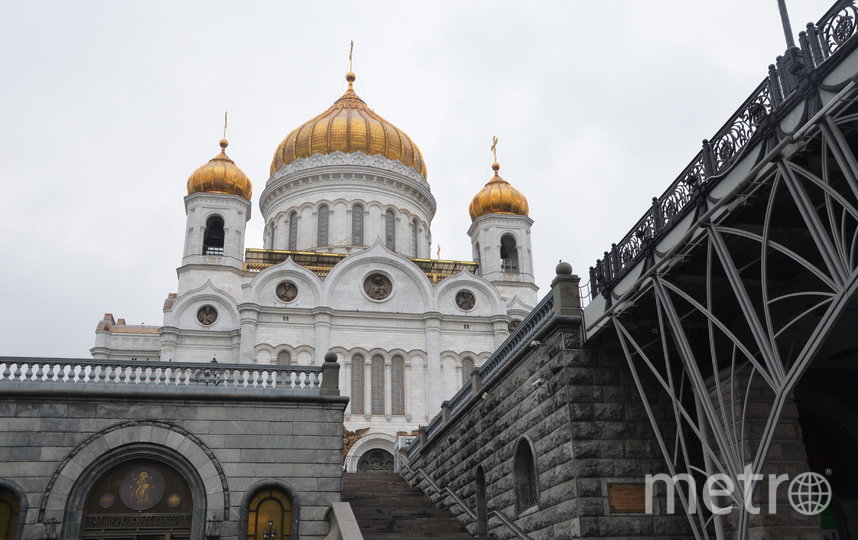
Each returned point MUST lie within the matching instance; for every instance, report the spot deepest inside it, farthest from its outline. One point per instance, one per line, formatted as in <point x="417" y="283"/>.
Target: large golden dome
<point x="498" y="197"/>
<point x="220" y="175"/>
<point x="349" y="125"/>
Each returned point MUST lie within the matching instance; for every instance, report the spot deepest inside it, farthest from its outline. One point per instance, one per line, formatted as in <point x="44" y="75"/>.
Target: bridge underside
<point x="751" y="324"/>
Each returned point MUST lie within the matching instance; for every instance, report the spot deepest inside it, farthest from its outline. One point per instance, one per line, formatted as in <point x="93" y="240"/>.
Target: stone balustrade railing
<point x="159" y="374"/>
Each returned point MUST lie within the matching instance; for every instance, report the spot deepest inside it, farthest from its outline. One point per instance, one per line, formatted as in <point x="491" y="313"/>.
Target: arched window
<point x="293" y="231"/>
<point x="467" y="368"/>
<point x="477" y="252"/>
<point x="269" y="515"/>
<point x="482" y="507"/>
<point x="213" y="236"/>
<point x="322" y="238"/>
<point x="524" y="477"/>
<point x="357" y="384"/>
<point x="414" y="227"/>
<point x="377" y="385"/>
<point x="397" y="385"/>
<point x="10" y="507"/>
<point x="509" y="254"/>
<point x="154" y="493"/>
<point x="357" y="225"/>
<point x="284" y="358"/>
<point x="390" y="230"/>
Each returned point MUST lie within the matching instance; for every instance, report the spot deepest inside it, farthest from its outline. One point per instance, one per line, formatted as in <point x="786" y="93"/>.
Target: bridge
<point x="735" y="293"/>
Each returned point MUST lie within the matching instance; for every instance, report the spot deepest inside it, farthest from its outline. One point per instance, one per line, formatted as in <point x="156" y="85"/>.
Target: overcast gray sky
<point x="107" y="107"/>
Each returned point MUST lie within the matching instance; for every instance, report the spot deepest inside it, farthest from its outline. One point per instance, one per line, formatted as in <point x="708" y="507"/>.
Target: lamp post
<point x="271" y="533"/>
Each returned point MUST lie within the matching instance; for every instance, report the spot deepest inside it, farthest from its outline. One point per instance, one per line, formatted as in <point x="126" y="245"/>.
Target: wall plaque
<point x="627" y="498"/>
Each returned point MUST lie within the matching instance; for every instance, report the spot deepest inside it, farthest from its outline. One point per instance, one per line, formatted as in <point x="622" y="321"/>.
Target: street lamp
<point x="271" y="533"/>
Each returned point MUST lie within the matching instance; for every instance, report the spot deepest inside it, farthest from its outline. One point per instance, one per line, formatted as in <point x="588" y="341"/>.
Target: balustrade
<point x="163" y="374"/>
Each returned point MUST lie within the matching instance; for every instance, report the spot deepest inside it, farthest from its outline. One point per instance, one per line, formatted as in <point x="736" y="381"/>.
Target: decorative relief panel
<point x="377" y="286"/>
<point x="286" y="291"/>
<point x="207" y="315"/>
<point x="465" y="300"/>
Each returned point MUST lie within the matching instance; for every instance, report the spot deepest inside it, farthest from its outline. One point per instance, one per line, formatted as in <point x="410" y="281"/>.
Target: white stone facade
<point x="401" y="355"/>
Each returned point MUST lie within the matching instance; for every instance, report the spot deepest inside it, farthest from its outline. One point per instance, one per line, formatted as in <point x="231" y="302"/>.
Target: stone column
<point x="168" y="346"/>
<point x="347" y="383"/>
<point x="406" y="382"/>
<point x="367" y="388"/>
<point x="434" y="379"/>
<point x="388" y="390"/>
<point x="323" y="334"/>
<point x="500" y="330"/>
<point x="249" y="315"/>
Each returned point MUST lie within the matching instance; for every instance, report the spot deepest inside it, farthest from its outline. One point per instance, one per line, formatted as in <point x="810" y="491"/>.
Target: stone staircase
<point x="387" y="508"/>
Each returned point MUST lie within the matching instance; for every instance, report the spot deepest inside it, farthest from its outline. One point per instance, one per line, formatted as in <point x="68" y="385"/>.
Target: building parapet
<point x="214" y="378"/>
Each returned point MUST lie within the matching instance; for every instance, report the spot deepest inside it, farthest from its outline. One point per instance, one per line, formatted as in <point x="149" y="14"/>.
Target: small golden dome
<point x="498" y="197"/>
<point x="220" y="175"/>
<point x="349" y="125"/>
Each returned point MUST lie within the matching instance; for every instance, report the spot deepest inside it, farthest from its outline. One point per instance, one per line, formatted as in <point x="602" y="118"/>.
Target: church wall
<point x="49" y="441"/>
<point x="340" y="194"/>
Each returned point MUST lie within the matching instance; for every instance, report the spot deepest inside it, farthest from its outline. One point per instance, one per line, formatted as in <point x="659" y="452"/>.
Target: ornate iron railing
<point x="818" y="43"/>
<point x="156" y="373"/>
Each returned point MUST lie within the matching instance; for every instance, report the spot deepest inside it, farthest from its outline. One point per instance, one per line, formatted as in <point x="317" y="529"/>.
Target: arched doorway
<point x="376" y="460"/>
<point x="138" y="500"/>
<point x="10" y="509"/>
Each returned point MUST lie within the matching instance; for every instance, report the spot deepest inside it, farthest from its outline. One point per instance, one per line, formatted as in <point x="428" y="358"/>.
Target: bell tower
<point x="217" y="208"/>
<point x="500" y="237"/>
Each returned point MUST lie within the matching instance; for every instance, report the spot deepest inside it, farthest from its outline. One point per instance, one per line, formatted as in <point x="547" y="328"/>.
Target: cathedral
<point x="346" y="267"/>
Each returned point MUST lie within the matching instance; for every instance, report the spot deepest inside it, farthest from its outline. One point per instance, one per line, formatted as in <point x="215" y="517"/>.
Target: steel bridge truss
<point x="740" y="311"/>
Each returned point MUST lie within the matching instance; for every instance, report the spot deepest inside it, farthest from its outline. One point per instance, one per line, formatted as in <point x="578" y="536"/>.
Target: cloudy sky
<point x="107" y="107"/>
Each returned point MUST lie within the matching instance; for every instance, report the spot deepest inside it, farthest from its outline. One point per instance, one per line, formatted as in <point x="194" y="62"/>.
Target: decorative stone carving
<point x="513" y="324"/>
<point x="142" y="488"/>
<point x="207" y="315"/>
<point x="377" y="286"/>
<point x="465" y="300"/>
<point x="286" y="291"/>
<point x="350" y="438"/>
<point x="376" y="460"/>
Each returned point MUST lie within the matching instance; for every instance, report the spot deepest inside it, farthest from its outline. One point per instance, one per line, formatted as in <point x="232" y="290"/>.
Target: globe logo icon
<point x="809" y="493"/>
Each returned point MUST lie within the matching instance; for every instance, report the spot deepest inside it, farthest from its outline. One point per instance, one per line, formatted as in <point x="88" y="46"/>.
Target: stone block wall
<point x="231" y="440"/>
<point x="752" y="402"/>
<point x="588" y="429"/>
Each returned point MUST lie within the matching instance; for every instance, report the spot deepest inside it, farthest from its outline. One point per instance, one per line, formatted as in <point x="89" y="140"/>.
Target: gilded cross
<point x="495" y="148"/>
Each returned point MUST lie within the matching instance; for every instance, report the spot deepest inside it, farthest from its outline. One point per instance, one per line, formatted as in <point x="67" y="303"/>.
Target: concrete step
<point x="387" y="508"/>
